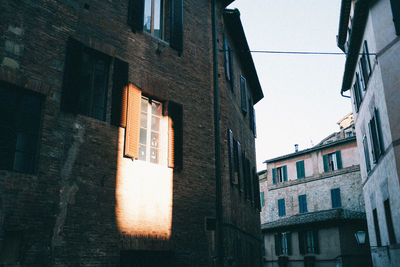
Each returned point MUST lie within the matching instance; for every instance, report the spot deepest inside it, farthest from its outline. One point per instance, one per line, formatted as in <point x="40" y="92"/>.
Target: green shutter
<point x="274" y="175"/>
<point x="277" y="244"/>
<point x="289" y="242"/>
<point x="262" y="198"/>
<point x="325" y="159"/>
<point x="284" y="168"/>
<point x="301" y="242"/>
<point x="339" y="159"/>
<point x="300" y="169"/>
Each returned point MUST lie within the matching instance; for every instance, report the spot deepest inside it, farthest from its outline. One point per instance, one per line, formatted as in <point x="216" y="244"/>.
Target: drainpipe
<point x="217" y="141"/>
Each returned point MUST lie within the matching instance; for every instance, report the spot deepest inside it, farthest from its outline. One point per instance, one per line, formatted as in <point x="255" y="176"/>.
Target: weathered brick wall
<point x="66" y="211"/>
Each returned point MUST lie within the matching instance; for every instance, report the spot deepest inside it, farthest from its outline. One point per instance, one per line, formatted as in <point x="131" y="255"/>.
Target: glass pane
<point x="147" y="16"/>
<point x="155" y="123"/>
<point x="142" y="152"/>
<point x="143" y="136"/>
<point x="143" y="120"/>
<point x="154" y="139"/>
<point x="143" y="105"/>
<point x="154" y="155"/>
<point x="23" y="162"/>
<point x="157" y="18"/>
<point x="156" y="108"/>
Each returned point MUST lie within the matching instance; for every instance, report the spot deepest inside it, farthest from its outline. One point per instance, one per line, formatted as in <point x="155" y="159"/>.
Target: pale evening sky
<point x="302" y="101"/>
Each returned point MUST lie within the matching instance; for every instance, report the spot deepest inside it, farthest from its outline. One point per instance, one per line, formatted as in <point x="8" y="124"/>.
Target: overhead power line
<point x="297" y="52"/>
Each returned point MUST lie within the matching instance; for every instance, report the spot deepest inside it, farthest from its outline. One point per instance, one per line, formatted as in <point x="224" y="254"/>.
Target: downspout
<point x="217" y="141"/>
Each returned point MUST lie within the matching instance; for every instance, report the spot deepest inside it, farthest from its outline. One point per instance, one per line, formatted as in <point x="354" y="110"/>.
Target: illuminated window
<point x="150" y="130"/>
<point x="19" y="128"/>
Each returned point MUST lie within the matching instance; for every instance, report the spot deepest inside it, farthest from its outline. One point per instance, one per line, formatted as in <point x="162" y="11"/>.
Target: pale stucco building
<point x="369" y="34"/>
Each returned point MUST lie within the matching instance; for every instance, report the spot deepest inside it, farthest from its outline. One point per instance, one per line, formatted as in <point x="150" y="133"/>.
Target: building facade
<point x="369" y="34"/>
<point x="118" y="120"/>
<point x="313" y="205"/>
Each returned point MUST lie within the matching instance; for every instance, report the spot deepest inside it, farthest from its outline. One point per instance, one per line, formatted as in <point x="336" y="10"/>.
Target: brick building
<point x="313" y="204"/>
<point x="369" y="34"/>
<point x="127" y="134"/>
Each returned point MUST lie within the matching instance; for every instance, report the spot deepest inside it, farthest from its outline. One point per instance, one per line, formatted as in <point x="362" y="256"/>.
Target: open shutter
<point x="119" y="93"/>
<point x="274" y="175"/>
<point x="325" y="159"/>
<point x="254" y="122"/>
<point x="240" y="168"/>
<point x="226" y="56"/>
<point x="262" y="199"/>
<point x="289" y="242"/>
<point x="231" y="69"/>
<point x="302" y="243"/>
<point x="362" y="73"/>
<point x="72" y="70"/>
<point x="277" y="237"/>
<point x="243" y="91"/>
<point x="175" y="135"/>
<point x="396" y="15"/>
<point x="132" y="131"/>
<point x="316" y="241"/>
<point x="339" y="159"/>
<point x="136" y="14"/>
<point x="231" y="155"/>
<point x="379" y="131"/>
<point x="374" y="159"/>
<point x="284" y="168"/>
<point x="256" y="189"/>
<point x="177" y="25"/>
<point x="355" y="98"/>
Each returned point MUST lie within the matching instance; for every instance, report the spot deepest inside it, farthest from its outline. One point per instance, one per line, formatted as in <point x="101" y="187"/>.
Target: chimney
<point x="296" y="147"/>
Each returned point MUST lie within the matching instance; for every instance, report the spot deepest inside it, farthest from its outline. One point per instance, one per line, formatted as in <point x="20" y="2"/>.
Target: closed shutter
<point x="302" y="242"/>
<point x="274" y="175"/>
<point x="325" y="160"/>
<point x="226" y="56"/>
<point x="71" y="82"/>
<point x="277" y="244"/>
<point x="396" y="15"/>
<point x="231" y="69"/>
<point x="300" y="169"/>
<point x="175" y="134"/>
<point x="339" y="159"/>
<point x="135" y="15"/>
<point x="243" y="92"/>
<point x="285" y="178"/>
<point x="262" y="199"/>
<point x="333" y="198"/>
<point x="119" y="93"/>
<point x="132" y="131"/>
<point x="177" y="25"/>
<point x="289" y="242"/>
<point x="230" y="156"/>
<point x="316" y="241"/>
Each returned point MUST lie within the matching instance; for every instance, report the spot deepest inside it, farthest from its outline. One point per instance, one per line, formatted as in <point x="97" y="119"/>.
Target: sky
<point x="302" y="102"/>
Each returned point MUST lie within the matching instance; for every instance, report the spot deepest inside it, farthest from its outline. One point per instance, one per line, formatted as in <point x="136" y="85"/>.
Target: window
<point x="364" y="66"/>
<point x="160" y="18"/>
<point x="376" y="136"/>
<point x="300" y="169"/>
<point x="20" y="112"/>
<point x="396" y="15"/>
<point x="243" y="93"/>
<point x="366" y="154"/>
<point x="335" y="197"/>
<point x="252" y="117"/>
<point x="283" y="243"/>
<point x="389" y="222"/>
<point x="332" y="161"/>
<point x="376" y="226"/>
<point x="279" y="175"/>
<point x="303" y="203"/>
<point x="153" y="132"/>
<point x="357" y="94"/>
<point x="281" y="207"/>
<point x="262" y="198"/>
<point x="308" y="242"/>
<point x="85" y="81"/>
<point x="229" y="73"/>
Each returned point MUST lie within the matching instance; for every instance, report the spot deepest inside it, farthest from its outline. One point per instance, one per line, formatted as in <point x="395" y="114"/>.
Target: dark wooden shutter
<point x="231" y="157"/>
<point x="177" y="25"/>
<point x="227" y="63"/>
<point x="231" y="69"/>
<point x="302" y="242"/>
<point x="132" y="130"/>
<point x="274" y="175"/>
<point x="119" y="93"/>
<point x="284" y="169"/>
<point x="355" y="98"/>
<point x="316" y="241"/>
<point x="339" y="159"/>
<point x="373" y="145"/>
<point x="243" y="92"/>
<point x="366" y="154"/>
<point x="362" y="73"/>
<point x="379" y="130"/>
<point x="240" y="167"/>
<point x="136" y="14"/>
<point x="325" y="160"/>
<point x="278" y="247"/>
<point x="71" y="82"/>
<point x="175" y="143"/>
<point x="396" y="15"/>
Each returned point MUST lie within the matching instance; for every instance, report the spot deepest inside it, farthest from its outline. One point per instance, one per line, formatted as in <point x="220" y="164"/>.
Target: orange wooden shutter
<point x="124" y="106"/>
<point x="133" y="122"/>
